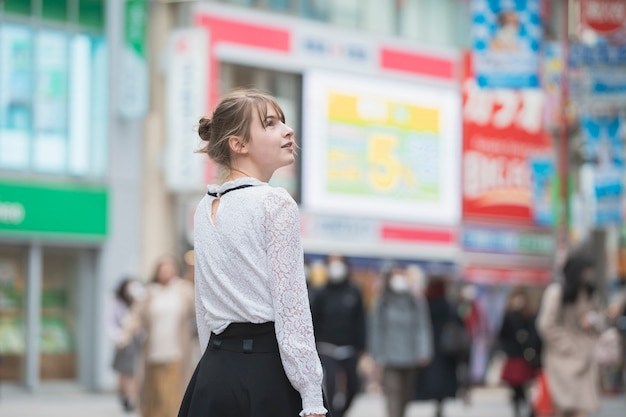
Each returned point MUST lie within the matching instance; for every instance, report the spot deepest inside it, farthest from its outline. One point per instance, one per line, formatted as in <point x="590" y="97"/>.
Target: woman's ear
<point x="237" y="145"/>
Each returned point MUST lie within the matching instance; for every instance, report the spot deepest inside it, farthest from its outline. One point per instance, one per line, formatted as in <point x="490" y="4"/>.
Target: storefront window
<point x="37" y="95"/>
<point x="21" y="7"/>
<point x="59" y="312"/>
<point x="91" y="14"/>
<point x="51" y="97"/>
<point x="16" y="107"/>
<point x="54" y="10"/>
<point x="12" y="313"/>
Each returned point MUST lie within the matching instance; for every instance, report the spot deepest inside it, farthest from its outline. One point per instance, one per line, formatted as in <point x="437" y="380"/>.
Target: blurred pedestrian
<point x="400" y="338"/>
<point x="438" y="380"/>
<point x="477" y="324"/>
<point x="253" y="315"/>
<point x="125" y="359"/>
<point x="339" y="322"/>
<point x="311" y="288"/>
<point x="521" y="344"/>
<point x="569" y="324"/>
<point x="165" y="315"/>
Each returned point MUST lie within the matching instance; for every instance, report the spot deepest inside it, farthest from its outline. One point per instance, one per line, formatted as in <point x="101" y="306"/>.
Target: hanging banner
<point x="133" y="86"/>
<point x="186" y="95"/>
<point x="604" y="151"/>
<point x="506" y="41"/>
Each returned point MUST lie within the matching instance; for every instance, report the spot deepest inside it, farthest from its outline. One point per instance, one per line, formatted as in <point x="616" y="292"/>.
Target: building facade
<point x="69" y="190"/>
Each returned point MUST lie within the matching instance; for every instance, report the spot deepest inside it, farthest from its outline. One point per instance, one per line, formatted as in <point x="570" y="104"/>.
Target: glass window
<point x="91" y="14"/>
<point x="280" y="5"/>
<point x="51" y="97"/>
<point x="23" y="7"/>
<point x="16" y="92"/>
<point x="315" y="9"/>
<point x="12" y="313"/>
<point x="345" y="13"/>
<point x="408" y="16"/>
<point x="379" y="16"/>
<point x="98" y="121"/>
<point x="80" y="100"/>
<point x="54" y="10"/>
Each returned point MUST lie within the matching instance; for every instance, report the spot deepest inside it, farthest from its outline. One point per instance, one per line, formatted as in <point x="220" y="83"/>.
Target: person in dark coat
<point x="520" y="341"/>
<point x="339" y="325"/>
<point x="400" y="338"/>
<point x="438" y="380"/>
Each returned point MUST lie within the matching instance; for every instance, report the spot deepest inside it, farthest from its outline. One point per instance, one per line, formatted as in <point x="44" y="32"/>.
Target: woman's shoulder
<point x="277" y="197"/>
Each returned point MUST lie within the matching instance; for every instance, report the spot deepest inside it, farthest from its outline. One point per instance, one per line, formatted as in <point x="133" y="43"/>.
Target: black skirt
<point x="241" y="375"/>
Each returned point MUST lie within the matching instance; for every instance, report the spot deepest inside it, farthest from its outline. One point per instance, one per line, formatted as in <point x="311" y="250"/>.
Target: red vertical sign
<point x="502" y="131"/>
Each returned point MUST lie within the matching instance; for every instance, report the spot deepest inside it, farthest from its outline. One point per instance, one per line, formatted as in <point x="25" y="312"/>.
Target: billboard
<point x="506" y="40"/>
<point x="380" y="148"/>
<point x="508" y="163"/>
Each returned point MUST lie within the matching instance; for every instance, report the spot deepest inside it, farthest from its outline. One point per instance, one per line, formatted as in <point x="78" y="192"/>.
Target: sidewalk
<point x="70" y="401"/>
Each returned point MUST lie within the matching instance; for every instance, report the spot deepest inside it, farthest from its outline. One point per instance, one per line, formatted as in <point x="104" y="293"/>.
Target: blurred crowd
<point x="409" y="335"/>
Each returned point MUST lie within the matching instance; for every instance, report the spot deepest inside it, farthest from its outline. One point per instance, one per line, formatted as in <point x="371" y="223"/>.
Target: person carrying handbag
<point x="569" y="325"/>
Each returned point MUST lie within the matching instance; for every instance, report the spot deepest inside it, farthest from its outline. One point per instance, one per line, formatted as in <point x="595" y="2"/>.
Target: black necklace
<point x="218" y="195"/>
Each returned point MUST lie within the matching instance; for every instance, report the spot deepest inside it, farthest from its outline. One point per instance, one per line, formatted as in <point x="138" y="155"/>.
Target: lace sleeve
<point x="201" y="313"/>
<point x="292" y="314"/>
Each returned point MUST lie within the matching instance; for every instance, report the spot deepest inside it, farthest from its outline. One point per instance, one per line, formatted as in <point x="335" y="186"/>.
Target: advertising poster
<point x="544" y="190"/>
<point x="506" y="41"/>
<point x="380" y="148"/>
<point x="552" y="70"/>
<point x="508" y="163"/>
<point x="604" y="151"/>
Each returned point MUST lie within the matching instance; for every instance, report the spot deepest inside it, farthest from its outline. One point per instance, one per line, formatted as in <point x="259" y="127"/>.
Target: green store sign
<point x="60" y="211"/>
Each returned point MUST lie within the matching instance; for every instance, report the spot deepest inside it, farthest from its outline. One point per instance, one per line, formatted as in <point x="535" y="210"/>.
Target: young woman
<point x="252" y="306"/>
<point x="126" y="358"/>
<point x="520" y="341"/>
<point x="569" y="323"/>
<point x="164" y="316"/>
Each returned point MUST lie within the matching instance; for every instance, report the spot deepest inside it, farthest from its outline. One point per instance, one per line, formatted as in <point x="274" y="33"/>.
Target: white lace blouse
<point x="249" y="268"/>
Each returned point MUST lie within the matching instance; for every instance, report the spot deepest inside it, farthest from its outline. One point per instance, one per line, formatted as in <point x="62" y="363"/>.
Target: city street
<point x="69" y="401"/>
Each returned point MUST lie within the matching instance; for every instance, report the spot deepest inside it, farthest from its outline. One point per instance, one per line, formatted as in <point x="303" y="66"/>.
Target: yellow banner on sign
<point x="363" y="110"/>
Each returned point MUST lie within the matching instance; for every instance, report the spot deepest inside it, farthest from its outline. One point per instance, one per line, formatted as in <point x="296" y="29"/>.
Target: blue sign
<point x="506" y="41"/>
<point x="599" y="54"/>
<point x="543" y="182"/>
<point x="604" y="151"/>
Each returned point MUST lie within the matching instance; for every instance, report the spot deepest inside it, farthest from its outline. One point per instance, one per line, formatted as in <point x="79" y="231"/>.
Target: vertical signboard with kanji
<point x="508" y="164"/>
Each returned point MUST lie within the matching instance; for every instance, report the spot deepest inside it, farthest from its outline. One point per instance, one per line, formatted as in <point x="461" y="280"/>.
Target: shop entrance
<point x="12" y="312"/>
<point x="60" y="304"/>
<point x="45" y="313"/>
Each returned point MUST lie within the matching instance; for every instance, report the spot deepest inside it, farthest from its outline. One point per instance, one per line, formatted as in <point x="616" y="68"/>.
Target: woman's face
<point x="166" y="272"/>
<point x="272" y="144"/>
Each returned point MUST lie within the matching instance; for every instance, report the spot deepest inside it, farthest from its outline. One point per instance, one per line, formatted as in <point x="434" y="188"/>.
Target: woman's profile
<point x="254" y="322"/>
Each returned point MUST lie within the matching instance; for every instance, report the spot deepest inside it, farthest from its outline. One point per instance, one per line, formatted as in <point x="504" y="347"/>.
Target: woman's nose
<point x="288" y="131"/>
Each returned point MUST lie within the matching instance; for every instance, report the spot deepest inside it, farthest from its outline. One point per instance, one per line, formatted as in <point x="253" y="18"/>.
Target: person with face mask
<point x="520" y="342"/>
<point x="339" y="325"/>
<point x="400" y="338"/>
<point x="569" y="323"/>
